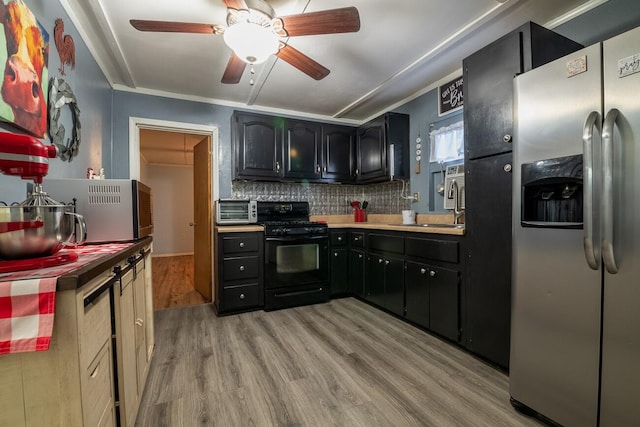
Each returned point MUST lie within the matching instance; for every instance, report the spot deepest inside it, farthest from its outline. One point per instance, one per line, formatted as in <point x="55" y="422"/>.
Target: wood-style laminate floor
<point x="173" y="282"/>
<point x="343" y="363"/>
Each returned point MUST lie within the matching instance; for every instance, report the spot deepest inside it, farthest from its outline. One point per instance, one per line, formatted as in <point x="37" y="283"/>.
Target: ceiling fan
<point x="254" y="33"/>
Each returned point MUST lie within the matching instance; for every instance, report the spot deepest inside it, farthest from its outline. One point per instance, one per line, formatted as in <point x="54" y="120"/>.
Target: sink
<point x="455" y="226"/>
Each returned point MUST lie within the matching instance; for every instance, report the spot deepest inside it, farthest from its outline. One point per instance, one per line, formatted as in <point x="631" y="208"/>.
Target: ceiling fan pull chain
<point x="252" y="71"/>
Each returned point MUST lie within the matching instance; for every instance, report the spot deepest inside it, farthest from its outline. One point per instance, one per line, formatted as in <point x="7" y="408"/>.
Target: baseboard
<point x="154" y="255"/>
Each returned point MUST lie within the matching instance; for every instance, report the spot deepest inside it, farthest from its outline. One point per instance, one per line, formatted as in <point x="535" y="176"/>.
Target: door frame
<point x="137" y="123"/>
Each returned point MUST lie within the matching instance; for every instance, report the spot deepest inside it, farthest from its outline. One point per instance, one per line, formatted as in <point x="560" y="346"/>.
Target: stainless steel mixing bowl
<point x="35" y="231"/>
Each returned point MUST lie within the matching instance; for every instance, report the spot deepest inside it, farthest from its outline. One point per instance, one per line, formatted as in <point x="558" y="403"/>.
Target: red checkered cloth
<point x="26" y="314"/>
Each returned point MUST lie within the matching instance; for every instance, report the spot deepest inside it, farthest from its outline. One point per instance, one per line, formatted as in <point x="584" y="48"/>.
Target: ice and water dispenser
<point x="552" y="193"/>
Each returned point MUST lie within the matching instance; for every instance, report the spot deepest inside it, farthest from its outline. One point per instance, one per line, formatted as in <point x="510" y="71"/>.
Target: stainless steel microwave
<point x="113" y="209"/>
<point x="230" y="211"/>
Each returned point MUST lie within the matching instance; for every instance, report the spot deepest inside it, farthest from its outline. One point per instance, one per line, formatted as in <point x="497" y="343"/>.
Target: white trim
<point x="137" y="123"/>
<point x="583" y="8"/>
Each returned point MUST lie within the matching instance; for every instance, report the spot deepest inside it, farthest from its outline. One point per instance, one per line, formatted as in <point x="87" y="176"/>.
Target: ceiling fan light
<point x="252" y="43"/>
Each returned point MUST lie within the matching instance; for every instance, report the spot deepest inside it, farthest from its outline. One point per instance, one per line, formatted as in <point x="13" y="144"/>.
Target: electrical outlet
<point x="416" y="197"/>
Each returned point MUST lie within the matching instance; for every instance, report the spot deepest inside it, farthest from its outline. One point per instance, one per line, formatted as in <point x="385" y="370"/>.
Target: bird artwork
<point x="65" y="45"/>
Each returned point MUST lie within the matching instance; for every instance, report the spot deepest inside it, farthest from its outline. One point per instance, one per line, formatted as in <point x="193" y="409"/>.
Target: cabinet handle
<point x="507" y="167"/>
<point x="380" y="260"/>
<point x="242" y="268"/>
<point x="386" y="262"/>
<point x="432" y="273"/>
<point x="360" y="256"/>
<point x="324" y="169"/>
<point x="423" y="271"/>
<point x="277" y="166"/>
<point x="335" y="254"/>
<point x="318" y="168"/>
<point x="241" y="296"/>
<point x="506" y="138"/>
<point x="95" y="372"/>
<point x="139" y="322"/>
<point x="339" y="238"/>
<point x="355" y="239"/>
<point x="242" y="244"/>
<point x="357" y="172"/>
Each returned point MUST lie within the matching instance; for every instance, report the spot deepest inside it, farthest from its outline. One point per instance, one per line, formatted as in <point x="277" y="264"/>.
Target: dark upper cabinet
<point x="488" y="84"/>
<point x="338" y="152"/>
<point x="302" y="150"/>
<point x="258" y="146"/>
<point x="382" y="148"/>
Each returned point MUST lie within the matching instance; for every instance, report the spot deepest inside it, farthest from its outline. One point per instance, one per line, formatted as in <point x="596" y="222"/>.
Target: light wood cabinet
<point x="132" y="316"/>
<point x="72" y="383"/>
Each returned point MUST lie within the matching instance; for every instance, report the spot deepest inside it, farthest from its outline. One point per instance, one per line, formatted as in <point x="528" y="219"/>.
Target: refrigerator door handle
<point x="590" y="252"/>
<point x="607" y="190"/>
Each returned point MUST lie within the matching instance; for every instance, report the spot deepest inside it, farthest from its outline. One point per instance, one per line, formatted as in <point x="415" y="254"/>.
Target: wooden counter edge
<point x="79" y="277"/>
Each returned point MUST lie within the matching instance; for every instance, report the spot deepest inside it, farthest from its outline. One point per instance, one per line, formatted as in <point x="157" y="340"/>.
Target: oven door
<point x="292" y="261"/>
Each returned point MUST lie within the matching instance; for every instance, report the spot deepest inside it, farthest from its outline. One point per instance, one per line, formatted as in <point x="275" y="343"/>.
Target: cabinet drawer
<point x="240" y="268"/>
<point x="357" y="239"/>
<point x="441" y="250"/>
<point x="243" y="296"/>
<point x="94" y="328"/>
<point x="338" y="238"/>
<point x="386" y="243"/>
<point x="97" y="389"/>
<point x="240" y="243"/>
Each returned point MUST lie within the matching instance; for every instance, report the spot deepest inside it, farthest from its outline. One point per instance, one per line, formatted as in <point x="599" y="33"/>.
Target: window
<point x="447" y="143"/>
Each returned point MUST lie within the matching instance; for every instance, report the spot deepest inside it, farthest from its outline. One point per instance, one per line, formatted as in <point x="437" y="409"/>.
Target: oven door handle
<point x="295" y="238"/>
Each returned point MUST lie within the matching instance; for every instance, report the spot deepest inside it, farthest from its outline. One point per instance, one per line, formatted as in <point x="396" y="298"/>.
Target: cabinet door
<point x="126" y="350"/>
<point x="139" y="299"/>
<point x="259" y="141"/>
<point x="374" y="280"/>
<point x="488" y="96"/>
<point x="488" y="270"/>
<point x="417" y="288"/>
<point x="338" y="150"/>
<point x="339" y="271"/>
<point x="394" y="285"/>
<point x="302" y="150"/>
<point x="371" y="151"/>
<point x="356" y="272"/>
<point x="444" y="297"/>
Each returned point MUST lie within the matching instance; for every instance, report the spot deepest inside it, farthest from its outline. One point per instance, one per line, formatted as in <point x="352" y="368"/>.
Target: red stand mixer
<point x="39" y="226"/>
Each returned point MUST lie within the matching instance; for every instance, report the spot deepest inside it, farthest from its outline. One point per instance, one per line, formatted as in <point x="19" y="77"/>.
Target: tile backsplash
<point x="327" y="199"/>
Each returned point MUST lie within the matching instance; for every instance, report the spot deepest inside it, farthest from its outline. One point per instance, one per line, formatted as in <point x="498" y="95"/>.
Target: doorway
<point x="183" y="278"/>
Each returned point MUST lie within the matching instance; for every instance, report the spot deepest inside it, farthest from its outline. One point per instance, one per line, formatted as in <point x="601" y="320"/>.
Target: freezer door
<point x="555" y="327"/>
<point x="621" y="313"/>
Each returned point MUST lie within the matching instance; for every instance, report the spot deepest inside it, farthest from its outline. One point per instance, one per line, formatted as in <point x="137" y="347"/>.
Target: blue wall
<point x="94" y="96"/>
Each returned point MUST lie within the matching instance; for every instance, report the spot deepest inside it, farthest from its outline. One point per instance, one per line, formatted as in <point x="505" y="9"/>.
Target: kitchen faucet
<point x="454" y="192"/>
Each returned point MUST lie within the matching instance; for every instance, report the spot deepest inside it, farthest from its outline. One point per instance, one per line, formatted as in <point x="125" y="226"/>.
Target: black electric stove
<point x="296" y="257"/>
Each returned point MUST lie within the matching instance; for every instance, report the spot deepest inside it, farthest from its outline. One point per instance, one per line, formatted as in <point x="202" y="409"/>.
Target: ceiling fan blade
<point x="236" y="4"/>
<point x="344" y="20"/>
<point x="234" y="70"/>
<point x="173" y="27"/>
<point x="302" y="62"/>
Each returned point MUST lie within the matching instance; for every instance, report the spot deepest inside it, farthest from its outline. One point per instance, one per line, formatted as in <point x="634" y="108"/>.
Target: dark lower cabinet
<point x="384" y="285"/>
<point x="416" y="284"/>
<point x="339" y="271"/>
<point x="356" y="272"/>
<point x="433" y="298"/>
<point x="239" y="285"/>
<point x="488" y="269"/>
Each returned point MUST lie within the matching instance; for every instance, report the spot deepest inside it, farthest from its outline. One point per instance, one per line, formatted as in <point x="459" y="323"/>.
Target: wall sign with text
<point x="450" y="97"/>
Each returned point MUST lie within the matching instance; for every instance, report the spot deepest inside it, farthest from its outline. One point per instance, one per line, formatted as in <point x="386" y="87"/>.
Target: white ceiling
<point x="403" y="49"/>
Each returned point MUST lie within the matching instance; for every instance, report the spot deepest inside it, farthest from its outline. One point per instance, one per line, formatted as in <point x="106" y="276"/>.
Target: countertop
<point x="374" y="222"/>
<point x="82" y="275"/>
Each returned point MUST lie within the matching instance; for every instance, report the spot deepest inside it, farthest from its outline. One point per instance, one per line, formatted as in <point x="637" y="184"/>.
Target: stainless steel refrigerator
<point x="575" y="334"/>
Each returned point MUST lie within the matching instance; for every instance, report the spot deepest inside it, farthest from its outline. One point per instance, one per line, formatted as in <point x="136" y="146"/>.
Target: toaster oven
<point x="231" y="211"/>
